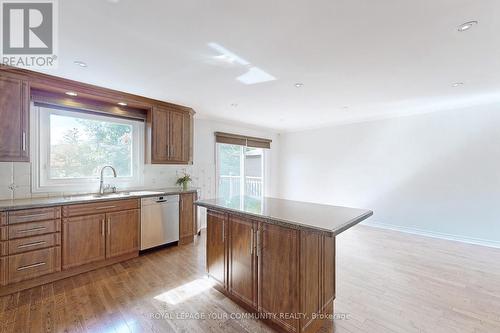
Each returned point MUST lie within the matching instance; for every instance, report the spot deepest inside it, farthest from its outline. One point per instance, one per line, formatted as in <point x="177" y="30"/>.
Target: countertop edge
<point x="293" y="224"/>
<point x="87" y="200"/>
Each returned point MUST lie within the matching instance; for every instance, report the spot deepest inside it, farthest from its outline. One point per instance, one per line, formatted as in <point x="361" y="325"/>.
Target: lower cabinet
<point x="279" y="274"/>
<point x="216" y="247"/>
<point x="243" y="260"/>
<point x="92" y="238"/>
<point x="122" y="233"/>
<point x="83" y="240"/>
<point x="288" y="275"/>
<point x="187" y="218"/>
<point x="33" y="264"/>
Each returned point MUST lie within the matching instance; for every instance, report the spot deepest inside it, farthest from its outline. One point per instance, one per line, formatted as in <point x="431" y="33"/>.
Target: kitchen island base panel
<point x="295" y="278"/>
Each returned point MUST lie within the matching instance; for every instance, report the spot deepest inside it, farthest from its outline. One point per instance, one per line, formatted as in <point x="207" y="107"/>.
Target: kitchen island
<point x="276" y="257"/>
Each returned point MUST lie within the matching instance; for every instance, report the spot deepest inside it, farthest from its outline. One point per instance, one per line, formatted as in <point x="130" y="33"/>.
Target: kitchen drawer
<point x="100" y="207"/>
<point x="4" y="233"/>
<point x="33" y="215"/>
<point x="33" y="243"/>
<point x="32" y="264"/>
<point x="3" y="218"/>
<point x="34" y="229"/>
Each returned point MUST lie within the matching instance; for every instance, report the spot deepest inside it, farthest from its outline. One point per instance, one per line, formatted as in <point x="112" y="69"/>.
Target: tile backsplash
<point x="15" y="179"/>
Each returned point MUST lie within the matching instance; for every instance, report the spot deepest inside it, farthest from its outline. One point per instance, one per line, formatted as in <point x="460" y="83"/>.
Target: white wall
<point x="18" y="175"/>
<point x="438" y="174"/>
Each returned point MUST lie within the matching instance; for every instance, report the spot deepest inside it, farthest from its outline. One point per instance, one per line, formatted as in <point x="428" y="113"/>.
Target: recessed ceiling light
<point x="71" y="93"/>
<point x="466" y="26"/>
<point x="299" y="85"/>
<point x="457" y="84"/>
<point x="122" y="103"/>
<point x="80" y="63"/>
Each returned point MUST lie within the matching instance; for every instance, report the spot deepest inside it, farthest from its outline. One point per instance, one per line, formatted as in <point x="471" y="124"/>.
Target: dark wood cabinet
<point x="187" y="218"/>
<point x="171" y="136"/>
<point x="160" y="136"/>
<point x="286" y="274"/>
<point x="84" y="240"/>
<point x="89" y="238"/>
<point x="278" y="265"/>
<point x="122" y="233"/>
<point x="216" y="247"/>
<point x="14" y="124"/>
<point x="243" y="260"/>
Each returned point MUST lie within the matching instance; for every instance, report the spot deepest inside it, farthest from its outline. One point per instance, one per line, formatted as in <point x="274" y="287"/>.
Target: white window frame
<point x="242" y="168"/>
<point x="40" y="152"/>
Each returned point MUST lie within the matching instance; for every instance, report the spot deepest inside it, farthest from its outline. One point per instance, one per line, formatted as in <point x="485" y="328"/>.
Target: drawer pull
<point x="31" y="230"/>
<point x="105" y="207"/>
<point x="22" y="268"/>
<point x="32" y="215"/>
<point x="31" y="244"/>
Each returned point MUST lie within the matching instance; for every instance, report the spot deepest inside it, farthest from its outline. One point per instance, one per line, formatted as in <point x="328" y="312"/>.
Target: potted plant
<point x="184" y="181"/>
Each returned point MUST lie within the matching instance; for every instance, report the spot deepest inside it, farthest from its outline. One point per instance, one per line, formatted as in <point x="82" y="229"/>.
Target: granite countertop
<point x="77" y="199"/>
<point x="326" y="218"/>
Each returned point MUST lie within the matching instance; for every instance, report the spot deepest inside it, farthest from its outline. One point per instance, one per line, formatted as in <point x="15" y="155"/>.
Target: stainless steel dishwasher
<point x="159" y="221"/>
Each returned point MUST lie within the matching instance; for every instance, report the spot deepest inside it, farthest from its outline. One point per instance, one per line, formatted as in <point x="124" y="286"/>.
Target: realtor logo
<point x="29" y="33"/>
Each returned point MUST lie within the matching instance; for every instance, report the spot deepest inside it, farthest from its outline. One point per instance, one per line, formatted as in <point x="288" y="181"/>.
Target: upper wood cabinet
<point x="169" y="138"/>
<point x="171" y="132"/>
<point x="14" y="110"/>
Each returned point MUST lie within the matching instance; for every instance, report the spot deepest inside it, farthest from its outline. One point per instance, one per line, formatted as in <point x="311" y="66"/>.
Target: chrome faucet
<point x="101" y="185"/>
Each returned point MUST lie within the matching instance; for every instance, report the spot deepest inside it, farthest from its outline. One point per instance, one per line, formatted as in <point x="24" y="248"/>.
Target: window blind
<point x="242" y="140"/>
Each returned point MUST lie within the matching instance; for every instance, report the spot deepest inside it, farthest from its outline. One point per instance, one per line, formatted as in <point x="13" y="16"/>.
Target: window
<point x="71" y="147"/>
<point x="240" y="171"/>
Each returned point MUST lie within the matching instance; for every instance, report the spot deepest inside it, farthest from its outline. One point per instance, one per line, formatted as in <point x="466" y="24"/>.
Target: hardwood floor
<point x="387" y="282"/>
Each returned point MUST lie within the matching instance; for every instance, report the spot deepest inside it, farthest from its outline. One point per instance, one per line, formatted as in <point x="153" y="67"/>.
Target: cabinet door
<point x="216" y="249"/>
<point x="242" y="260"/>
<point x="14" y="105"/>
<point x="122" y="233"/>
<point x="278" y="273"/>
<point x="176" y="144"/>
<point x="83" y="240"/>
<point x="160" y="135"/>
<point x="187" y="218"/>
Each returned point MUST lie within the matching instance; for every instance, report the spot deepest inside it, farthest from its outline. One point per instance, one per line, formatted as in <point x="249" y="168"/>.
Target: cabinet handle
<point x="32" y="215"/>
<point x="22" y="268"/>
<point x="223" y="232"/>
<point x="258" y="243"/>
<point x="31" y="230"/>
<point x="105" y="207"/>
<point x="109" y="226"/>
<point x="24" y="141"/>
<point x="31" y="244"/>
<point x="102" y="227"/>
<point x="173" y="151"/>
<point x="168" y="150"/>
<point x="251" y="241"/>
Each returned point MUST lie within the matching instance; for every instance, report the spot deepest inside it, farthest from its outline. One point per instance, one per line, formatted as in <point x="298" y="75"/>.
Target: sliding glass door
<point x="240" y="171"/>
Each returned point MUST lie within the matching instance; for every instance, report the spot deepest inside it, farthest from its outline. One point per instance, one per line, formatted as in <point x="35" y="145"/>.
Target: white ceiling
<point x="379" y="58"/>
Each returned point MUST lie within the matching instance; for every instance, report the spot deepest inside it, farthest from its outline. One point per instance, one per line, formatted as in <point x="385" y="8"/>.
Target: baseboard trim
<point x="427" y="233"/>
